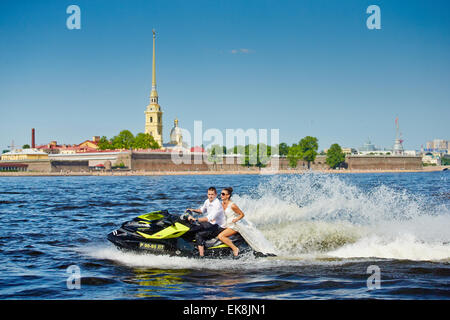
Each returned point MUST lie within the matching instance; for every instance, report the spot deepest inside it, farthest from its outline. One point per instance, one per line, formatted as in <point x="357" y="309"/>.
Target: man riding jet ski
<point x="160" y="232"/>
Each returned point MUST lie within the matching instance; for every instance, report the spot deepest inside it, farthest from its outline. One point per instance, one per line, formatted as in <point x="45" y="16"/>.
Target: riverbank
<point x="173" y="173"/>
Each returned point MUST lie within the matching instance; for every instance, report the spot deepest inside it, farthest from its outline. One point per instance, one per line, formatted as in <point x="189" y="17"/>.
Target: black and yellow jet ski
<point x="160" y="232"/>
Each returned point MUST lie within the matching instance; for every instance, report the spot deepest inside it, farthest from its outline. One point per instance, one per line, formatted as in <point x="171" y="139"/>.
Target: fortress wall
<point x="159" y="162"/>
<point x="319" y="163"/>
<point x="124" y="158"/>
<point x="38" y="166"/>
<point x="67" y="165"/>
<point x="164" y="162"/>
<point x="384" y="163"/>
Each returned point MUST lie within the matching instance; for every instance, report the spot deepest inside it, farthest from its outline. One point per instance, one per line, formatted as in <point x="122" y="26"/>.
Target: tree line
<point x="306" y="149"/>
<point x="254" y="155"/>
<point x="126" y="140"/>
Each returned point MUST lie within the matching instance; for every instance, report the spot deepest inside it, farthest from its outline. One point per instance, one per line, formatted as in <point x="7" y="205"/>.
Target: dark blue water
<point x="328" y="230"/>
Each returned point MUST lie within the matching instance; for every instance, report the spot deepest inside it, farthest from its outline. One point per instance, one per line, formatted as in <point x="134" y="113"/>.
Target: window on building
<point x="151" y="119"/>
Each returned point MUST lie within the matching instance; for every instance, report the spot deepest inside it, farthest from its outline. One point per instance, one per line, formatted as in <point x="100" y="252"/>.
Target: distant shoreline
<point x="179" y="173"/>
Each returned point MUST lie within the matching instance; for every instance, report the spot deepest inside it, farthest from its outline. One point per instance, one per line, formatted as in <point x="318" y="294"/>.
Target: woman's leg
<point x="223" y="236"/>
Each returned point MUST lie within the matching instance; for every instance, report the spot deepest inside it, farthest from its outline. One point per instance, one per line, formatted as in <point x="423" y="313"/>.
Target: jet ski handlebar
<point x="187" y="215"/>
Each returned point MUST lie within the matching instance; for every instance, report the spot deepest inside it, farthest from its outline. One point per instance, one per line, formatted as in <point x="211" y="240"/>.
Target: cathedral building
<point x="153" y="113"/>
<point x="153" y="116"/>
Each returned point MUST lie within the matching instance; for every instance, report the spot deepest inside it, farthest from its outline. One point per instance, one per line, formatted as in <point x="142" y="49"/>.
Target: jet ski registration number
<point x="151" y="246"/>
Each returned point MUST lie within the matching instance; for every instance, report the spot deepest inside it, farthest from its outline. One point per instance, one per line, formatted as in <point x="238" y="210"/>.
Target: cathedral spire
<point x="153" y="112"/>
<point x="154" y="93"/>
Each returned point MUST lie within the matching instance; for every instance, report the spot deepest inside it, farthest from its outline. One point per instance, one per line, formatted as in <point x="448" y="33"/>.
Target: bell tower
<point x="153" y="113"/>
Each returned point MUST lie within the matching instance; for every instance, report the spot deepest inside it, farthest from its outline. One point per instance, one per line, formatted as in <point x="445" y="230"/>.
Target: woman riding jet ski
<point x="160" y="232"/>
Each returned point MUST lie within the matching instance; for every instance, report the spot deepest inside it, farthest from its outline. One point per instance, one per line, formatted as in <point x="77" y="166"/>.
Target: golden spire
<point x="154" y="93"/>
<point x="153" y="113"/>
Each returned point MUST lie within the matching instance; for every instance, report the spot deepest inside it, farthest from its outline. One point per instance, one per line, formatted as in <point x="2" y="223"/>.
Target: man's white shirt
<point x="214" y="212"/>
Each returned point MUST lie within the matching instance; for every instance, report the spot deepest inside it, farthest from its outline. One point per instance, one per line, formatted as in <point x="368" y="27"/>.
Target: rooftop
<point x="27" y="151"/>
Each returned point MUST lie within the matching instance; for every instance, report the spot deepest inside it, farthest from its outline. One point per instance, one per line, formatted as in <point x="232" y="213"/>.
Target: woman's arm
<point x="238" y="211"/>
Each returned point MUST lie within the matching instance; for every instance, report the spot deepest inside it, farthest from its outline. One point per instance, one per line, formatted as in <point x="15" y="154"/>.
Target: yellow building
<point x="24" y="154"/>
<point x="346" y="151"/>
<point x="349" y="151"/>
<point x="153" y="113"/>
<point x="93" y="144"/>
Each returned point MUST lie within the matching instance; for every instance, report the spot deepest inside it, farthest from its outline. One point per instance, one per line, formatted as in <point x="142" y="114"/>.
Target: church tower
<point x="176" y="136"/>
<point x="153" y="113"/>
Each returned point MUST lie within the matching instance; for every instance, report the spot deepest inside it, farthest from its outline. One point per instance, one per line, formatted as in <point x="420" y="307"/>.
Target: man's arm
<point x="195" y="210"/>
<point x="202" y="219"/>
<point x="199" y="210"/>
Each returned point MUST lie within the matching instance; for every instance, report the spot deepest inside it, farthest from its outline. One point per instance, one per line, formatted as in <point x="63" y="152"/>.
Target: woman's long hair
<point x="229" y="190"/>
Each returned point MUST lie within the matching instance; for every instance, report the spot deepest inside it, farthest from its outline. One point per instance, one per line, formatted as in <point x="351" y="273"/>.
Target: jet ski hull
<point x="169" y="235"/>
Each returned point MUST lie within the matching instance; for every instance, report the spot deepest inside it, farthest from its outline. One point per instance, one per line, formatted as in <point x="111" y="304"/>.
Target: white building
<point x="430" y="158"/>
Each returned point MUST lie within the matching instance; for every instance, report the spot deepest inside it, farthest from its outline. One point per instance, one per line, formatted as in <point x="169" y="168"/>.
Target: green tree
<point x="306" y="150"/>
<point x="257" y="155"/>
<point x="104" y="143"/>
<point x="124" y="140"/>
<point x="238" y="150"/>
<point x="335" y="156"/>
<point x="215" y="153"/>
<point x="445" y="161"/>
<point x="283" y="149"/>
<point x="145" y="141"/>
<point x="264" y="154"/>
<point x="294" y="155"/>
<point x="26" y="146"/>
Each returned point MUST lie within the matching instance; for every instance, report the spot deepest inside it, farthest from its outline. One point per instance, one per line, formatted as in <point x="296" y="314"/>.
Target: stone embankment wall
<point x="163" y="162"/>
<point x="38" y="165"/>
<point x="318" y="164"/>
<point x="72" y="166"/>
<point x="384" y="163"/>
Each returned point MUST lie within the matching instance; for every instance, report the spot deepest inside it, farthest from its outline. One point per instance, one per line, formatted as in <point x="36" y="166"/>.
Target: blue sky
<point x="306" y="68"/>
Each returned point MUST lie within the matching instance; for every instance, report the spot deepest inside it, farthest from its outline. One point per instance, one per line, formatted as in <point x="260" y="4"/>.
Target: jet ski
<point x="160" y="232"/>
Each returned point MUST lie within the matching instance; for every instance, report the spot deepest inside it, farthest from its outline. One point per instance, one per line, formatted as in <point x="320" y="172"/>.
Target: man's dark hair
<point x="212" y="189"/>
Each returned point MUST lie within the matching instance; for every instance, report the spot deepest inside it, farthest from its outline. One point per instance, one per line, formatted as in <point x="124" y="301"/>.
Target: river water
<point x="332" y="233"/>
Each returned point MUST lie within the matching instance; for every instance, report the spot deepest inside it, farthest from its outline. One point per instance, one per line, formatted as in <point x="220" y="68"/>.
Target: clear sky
<point x="304" y="67"/>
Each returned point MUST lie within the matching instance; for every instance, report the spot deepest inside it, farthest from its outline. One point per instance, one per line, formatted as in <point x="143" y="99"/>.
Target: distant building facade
<point x="86" y="146"/>
<point x="367" y="147"/>
<point x="91" y="144"/>
<point x="24" y="154"/>
<point x="430" y="158"/>
<point x="438" y="145"/>
<point x="176" y="139"/>
<point x="346" y="151"/>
